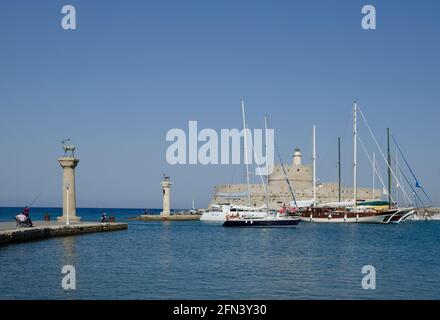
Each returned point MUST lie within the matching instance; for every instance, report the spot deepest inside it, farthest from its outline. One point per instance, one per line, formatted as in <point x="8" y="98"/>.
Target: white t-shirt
<point x="21" y="217"/>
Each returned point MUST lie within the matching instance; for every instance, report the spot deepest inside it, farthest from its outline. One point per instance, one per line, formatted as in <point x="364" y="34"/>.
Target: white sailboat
<point x="220" y="213"/>
<point x="271" y="219"/>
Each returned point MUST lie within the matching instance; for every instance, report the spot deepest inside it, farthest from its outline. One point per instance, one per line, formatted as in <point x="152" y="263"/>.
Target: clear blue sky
<point x="135" y="69"/>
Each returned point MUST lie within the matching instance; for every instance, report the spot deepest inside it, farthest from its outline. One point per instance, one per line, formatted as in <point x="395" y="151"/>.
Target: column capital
<point x="166" y="184"/>
<point x="68" y="162"/>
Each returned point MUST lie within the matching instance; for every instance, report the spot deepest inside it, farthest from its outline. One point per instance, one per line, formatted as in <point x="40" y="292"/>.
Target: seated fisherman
<point x="21" y="217"/>
<point x="104" y="217"/>
<point x="23" y="220"/>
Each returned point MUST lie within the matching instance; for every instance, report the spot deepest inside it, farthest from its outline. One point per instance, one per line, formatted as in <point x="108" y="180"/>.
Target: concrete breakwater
<point x="42" y="230"/>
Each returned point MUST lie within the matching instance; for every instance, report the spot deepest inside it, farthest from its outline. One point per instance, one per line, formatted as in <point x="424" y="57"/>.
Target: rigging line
<point x="285" y="176"/>
<point x="410" y="170"/>
<point x="399" y="172"/>
<point x="259" y="169"/>
<point x="375" y="168"/>
<point x="410" y="185"/>
<point x="292" y="193"/>
<point x="380" y="149"/>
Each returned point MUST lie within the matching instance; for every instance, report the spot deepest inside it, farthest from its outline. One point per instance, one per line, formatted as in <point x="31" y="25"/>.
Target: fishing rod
<point x="35" y="199"/>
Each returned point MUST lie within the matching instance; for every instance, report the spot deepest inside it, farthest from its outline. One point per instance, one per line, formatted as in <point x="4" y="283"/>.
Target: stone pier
<point x="9" y="233"/>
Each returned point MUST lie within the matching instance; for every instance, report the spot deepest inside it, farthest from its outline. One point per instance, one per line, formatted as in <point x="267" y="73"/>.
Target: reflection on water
<point x="69" y="253"/>
<point x="164" y="246"/>
<point x="193" y="260"/>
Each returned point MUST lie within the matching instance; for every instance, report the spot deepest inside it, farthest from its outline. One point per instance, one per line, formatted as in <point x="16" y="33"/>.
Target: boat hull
<point x="261" y="223"/>
<point x="221" y="216"/>
<point x="389" y="216"/>
<point x="435" y="217"/>
<point x="367" y="219"/>
<point x="213" y="216"/>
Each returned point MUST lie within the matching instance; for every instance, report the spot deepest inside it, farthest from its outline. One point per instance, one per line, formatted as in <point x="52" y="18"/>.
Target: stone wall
<point x="301" y="180"/>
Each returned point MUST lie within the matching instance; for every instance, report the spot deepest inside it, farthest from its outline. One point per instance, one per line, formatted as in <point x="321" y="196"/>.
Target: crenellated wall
<point x="301" y="179"/>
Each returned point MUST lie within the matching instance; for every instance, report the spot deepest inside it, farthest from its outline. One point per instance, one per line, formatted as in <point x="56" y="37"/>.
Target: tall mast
<point x="267" y="165"/>
<point x="355" y="154"/>
<point x="314" y="166"/>
<point x="396" y="164"/>
<point x="339" y="169"/>
<point x="389" y="168"/>
<point x="374" y="174"/>
<point x="246" y="152"/>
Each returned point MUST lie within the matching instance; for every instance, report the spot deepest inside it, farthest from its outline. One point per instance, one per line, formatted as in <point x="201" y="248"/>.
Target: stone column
<point x="69" y="193"/>
<point x="166" y="185"/>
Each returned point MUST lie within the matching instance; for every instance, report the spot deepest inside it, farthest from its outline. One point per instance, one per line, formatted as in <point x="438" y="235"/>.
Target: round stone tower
<point x="297" y="157"/>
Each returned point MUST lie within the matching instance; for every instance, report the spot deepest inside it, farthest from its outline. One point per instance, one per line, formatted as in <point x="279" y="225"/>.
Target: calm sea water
<point x="196" y="260"/>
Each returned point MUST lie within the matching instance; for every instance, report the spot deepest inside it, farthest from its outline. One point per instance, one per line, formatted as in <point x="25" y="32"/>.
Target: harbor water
<point x="197" y="260"/>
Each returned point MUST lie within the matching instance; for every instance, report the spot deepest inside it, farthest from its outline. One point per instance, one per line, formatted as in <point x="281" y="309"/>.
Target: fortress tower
<point x="297" y="157"/>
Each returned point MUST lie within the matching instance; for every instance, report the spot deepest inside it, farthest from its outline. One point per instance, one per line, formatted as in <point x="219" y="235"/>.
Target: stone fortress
<point x="301" y="179"/>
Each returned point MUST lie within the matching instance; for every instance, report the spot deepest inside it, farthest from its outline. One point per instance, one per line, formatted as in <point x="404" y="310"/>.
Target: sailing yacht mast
<point x="396" y="164"/>
<point x="339" y="169"/>
<point x="267" y="164"/>
<point x="374" y="174"/>
<point x="389" y="168"/>
<point x="314" y="166"/>
<point x="246" y="152"/>
<point x="355" y="154"/>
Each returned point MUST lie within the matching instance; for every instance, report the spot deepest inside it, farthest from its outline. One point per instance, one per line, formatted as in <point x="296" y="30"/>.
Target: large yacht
<point x="270" y="220"/>
<point x="373" y="212"/>
<point x="220" y="213"/>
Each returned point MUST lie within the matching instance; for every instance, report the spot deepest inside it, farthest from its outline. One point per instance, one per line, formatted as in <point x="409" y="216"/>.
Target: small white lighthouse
<point x="166" y="186"/>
